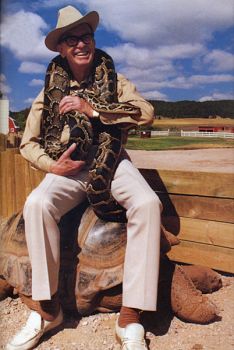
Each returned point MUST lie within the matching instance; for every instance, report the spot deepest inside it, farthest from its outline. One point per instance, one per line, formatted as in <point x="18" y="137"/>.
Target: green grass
<point x="176" y="142"/>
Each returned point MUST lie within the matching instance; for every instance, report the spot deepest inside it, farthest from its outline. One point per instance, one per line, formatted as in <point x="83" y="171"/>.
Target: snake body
<point x="86" y="132"/>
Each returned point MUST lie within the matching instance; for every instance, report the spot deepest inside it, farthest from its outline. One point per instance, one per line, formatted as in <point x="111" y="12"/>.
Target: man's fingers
<point x="68" y="152"/>
<point x="66" y="104"/>
<point x="69" y="103"/>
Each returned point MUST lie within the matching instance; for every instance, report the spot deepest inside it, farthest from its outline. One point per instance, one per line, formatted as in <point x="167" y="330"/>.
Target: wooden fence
<point x="198" y="207"/>
<point x="18" y="179"/>
<point x="12" y="140"/>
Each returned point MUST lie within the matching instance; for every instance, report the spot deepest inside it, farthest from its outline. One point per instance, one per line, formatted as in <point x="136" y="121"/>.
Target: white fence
<point x="207" y="134"/>
<point x="160" y="133"/>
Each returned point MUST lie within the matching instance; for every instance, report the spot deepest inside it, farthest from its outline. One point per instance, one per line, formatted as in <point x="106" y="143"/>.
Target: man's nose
<point x="80" y="43"/>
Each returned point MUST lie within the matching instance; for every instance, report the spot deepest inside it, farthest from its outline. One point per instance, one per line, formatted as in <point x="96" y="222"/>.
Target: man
<point x="64" y="187"/>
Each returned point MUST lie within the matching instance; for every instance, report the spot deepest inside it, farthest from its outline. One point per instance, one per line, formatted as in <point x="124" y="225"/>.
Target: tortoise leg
<point x="6" y="290"/>
<point x="204" y="278"/>
<point x="110" y="300"/>
<point x="187" y="302"/>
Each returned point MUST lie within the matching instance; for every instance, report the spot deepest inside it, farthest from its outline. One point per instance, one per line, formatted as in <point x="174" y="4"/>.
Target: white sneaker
<point x="132" y="337"/>
<point x="30" y="334"/>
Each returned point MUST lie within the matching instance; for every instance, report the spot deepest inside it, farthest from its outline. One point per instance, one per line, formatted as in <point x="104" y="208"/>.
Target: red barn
<point x="13" y="128"/>
<point x="216" y="128"/>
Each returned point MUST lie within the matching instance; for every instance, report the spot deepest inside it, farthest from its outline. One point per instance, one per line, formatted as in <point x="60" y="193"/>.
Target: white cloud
<point x="145" y="66"/>
<point x="210" y="79"/>
<point x="29" y="100"/>
<point x="180" y="51"/>
<point x="36" y="82"/>
<point x="2" y="77"/>
<point x="4" y="87"/>
<point x="140" y="56"/>
<point x="164" y="22"/>
<point x="219" y="61"/>
<point x="31" y="67"/>
<point x="155" y="95"/>
<point x="217" y="96"/>
<point x="22" y="33"/>
<point x="163" y="40"/>
<point x="55" y="3"/>
<point x="182" y="82"/>
<point x="154" y="69"/>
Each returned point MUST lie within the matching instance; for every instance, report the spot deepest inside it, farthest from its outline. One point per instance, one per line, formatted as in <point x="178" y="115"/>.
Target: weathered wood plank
<point x="18" y="179"/>
<point x="8" y="164"/>
<point x="199" y="207"/>
<point x="218" y="258"/>
<point x="192" y="183"/>
<point x="4" y="184"/>
<point x="3" y="142"/>
<point x="1" y="187"/>
<point x="204" y="231"/>
<point x="20" y="182"/>
<point x="36" y="176"/>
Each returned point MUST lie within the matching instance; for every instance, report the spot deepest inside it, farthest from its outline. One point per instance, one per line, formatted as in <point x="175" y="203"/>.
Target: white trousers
<point x="56" y="195"/>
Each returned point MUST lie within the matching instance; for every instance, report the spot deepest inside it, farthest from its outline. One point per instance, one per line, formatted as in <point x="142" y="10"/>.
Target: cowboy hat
<point x="68" y="18"/>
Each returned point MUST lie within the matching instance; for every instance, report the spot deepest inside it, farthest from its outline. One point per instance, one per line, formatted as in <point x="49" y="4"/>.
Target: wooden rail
<point x="198" y="207"/>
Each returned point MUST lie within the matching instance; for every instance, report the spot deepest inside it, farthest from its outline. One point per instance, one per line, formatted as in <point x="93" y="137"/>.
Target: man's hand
<point x="75" y="103"/>
<point x="65" y="166"/>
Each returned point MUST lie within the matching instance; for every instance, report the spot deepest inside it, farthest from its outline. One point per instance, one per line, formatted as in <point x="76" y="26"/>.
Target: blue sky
<point x="171" y="49"/>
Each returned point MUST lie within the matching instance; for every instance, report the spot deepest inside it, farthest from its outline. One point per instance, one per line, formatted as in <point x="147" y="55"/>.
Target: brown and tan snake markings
<point x="86" y="132"/>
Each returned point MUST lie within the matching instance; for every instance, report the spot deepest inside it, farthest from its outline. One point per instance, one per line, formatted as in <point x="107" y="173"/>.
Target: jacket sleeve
<point x="127" y="92"/>
<point x="30" y="147"/>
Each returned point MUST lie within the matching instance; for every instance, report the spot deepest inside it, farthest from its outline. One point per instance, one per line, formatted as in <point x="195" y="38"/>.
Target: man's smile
<point x="83" y="53"/>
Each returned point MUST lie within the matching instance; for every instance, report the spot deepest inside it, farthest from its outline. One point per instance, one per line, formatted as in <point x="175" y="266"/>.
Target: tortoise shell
<point x="91" y="270"/>
<point x="91" y="256"/>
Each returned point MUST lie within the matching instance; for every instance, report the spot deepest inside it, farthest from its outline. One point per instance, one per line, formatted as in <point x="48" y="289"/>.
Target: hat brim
<point x="52" y="38"/>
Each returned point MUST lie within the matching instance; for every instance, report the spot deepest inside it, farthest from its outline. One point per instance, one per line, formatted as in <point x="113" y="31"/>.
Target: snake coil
<point x="86" y="132"/>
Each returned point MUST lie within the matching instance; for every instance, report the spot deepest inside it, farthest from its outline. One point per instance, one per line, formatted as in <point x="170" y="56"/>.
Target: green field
<point x="176" y="142"/>
<point x="181" y="123"/>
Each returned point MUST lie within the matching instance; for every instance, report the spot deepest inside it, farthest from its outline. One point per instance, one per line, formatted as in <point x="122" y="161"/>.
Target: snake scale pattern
<point x="87" y="132"/>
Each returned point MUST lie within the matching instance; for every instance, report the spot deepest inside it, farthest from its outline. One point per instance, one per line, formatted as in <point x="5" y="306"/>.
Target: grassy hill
<point x="191" y="109"/>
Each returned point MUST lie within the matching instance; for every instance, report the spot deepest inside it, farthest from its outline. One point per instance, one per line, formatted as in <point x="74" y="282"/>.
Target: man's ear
<point x="60" y="50"/>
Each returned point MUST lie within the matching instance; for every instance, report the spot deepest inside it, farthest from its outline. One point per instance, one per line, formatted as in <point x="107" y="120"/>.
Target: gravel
<point x="96" y="332"/>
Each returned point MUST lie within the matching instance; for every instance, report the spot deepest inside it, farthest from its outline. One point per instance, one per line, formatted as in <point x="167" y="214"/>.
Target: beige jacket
<point x="30" y="147"/>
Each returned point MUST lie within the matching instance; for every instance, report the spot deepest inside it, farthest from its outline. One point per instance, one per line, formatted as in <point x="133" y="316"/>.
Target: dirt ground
<point x="208" y="160"/>
<point x="164" y="332"/>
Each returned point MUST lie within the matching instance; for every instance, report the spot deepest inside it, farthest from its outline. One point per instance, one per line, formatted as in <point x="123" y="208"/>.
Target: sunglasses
<point x="73" y="40"/>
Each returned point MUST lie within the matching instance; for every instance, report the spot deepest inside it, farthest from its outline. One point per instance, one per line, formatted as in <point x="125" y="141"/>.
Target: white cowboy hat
<point x="68" y="18"/>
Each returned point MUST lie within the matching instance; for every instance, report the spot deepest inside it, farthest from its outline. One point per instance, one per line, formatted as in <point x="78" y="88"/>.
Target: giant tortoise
<point x="92" y="267"/>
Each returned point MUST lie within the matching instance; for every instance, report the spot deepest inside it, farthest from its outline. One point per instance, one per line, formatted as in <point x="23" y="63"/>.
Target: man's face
<point x="79" y="53"/>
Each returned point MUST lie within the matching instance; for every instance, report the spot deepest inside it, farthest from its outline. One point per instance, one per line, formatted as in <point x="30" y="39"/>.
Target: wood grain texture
<point x="192" y="183"/>
<point x="205" y="231"/>
<point x="218" y="258"/>
<point x="198" y="207"/>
